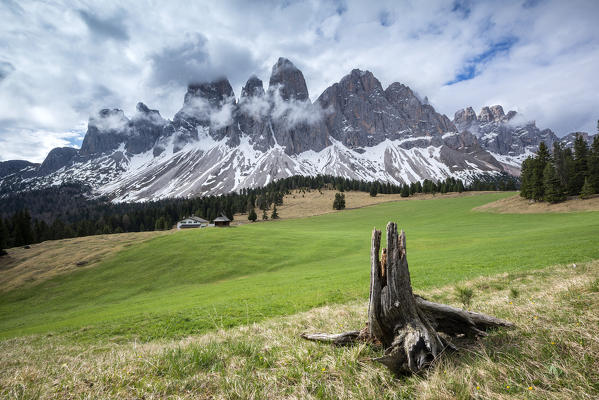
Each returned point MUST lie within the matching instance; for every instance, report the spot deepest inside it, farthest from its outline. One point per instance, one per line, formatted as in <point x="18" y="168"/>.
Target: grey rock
<point x="503" y="134"/>
<point x="57" y="158"/>
<point x="289" y="80"/>
<point x="105" y="132"/>
<point x="363" y="114"/>
<point x="207" y="106"/>
<point x="15" y="166"/>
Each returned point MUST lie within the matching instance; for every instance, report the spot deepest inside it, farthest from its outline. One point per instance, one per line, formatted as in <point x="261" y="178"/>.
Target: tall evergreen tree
<point x="252" y="216"/>
<point x="373" y="191"/>
<point x="3" y="237"/>
<point x="264" y="215"/>
<point x="594" y="164"/>
<point x="587" y="189"/>
<point x="274" y="214"/>
<point x="526" y="178"/>
<point x="405" y="191"/>
<point x="540" y="161"/>
<point x="553" y="188"/>
<point x="339" y="202"/>
<point x="23" y="233"/>
<point x="580" y="164"/>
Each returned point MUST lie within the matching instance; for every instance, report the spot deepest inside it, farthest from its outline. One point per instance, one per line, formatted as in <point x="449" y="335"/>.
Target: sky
<point x="62" y="61"/>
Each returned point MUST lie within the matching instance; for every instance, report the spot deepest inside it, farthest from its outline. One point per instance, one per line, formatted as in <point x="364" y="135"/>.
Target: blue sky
<point x="61" y="61"/>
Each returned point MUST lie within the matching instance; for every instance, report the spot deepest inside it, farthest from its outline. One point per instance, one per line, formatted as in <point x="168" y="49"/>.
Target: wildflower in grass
<point x="507" y="386"/>
<point x="323" y="369"/>
<point x="478" y="388"/>
<point x="530" y="388"/>
<point x="552" y="342"/>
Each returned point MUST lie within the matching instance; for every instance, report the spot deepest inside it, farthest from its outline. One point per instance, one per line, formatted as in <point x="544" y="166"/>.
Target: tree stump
<point x="407" y="325"/>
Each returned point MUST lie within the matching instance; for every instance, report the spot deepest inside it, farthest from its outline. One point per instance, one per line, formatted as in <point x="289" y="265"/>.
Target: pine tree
<point x="405" y="191"/>
<point x="580" y="164"/>
<point x="587" y="189"/>
<point x="339" y="202"/>
<point x="160" y="224"/>
<point x="3" y="237"/>
<point x="526" y="178"/>
<point x="264" y="215"/>
<point x="22" y="228"/>
<point x="540" y="161"/>
<point x="553" y="188"/>
<point x="252" y="216"/>
<point x="594" y="163"/>
<point x="274" y="214"/>
<point x="373" y="191"/>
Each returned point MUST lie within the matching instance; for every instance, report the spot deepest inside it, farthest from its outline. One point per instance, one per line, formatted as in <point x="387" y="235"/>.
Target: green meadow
<point x="195" y="281"/>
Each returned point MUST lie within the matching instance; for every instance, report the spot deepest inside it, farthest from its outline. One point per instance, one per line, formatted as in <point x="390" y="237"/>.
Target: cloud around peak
<point x="61" y="63"/>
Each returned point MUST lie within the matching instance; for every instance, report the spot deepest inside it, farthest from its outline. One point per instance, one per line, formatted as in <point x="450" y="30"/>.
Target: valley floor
<point x="551" y="354"/>
<point x="217" y="313"/>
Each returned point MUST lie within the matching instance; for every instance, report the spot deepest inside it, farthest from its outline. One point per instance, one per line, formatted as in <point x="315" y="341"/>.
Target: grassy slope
<point x="550" y="354"/>
<point x="198" y="280"/>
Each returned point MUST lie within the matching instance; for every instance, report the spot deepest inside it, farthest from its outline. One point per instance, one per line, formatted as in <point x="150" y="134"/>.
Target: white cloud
<point x="33" y="145"/>
<point x="293" y="111"/>
<point x="61" y="64"/>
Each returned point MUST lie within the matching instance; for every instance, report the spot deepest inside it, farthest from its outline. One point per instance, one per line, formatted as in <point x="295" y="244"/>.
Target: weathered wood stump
<point x="407" y="325"/>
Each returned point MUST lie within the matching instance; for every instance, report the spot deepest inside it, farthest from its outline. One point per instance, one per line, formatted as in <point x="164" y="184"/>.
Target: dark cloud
<point x="192" y="62"/>
<point x="6" y="69"/>
<point x="386" y="18"/>
<point x="463" y="8"/>
<point x="112" y="27"/>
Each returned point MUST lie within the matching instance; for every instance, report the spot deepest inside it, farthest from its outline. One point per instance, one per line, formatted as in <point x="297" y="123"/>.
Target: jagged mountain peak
<point x="216" y="144"/>
<point x="288" y="80"/>
<point x="464" y="116"/>
<point x="254" y="87"/>
<point x="215" y="92"/>
<point x="360" y="81"/>
<point x="142" y="108"/>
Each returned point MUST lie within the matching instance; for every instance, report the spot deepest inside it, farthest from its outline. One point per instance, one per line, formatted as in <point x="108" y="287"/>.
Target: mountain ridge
<point x="217" y="143"/>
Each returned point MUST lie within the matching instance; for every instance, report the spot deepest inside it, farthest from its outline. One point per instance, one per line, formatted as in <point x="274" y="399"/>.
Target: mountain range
<point x="218" y="143"/>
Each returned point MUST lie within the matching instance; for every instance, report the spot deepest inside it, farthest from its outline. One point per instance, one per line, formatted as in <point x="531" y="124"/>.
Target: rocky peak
<point x="464" y="116"/>
<point x="289" y="80"/>
<point x="485" y="115"/>
<point x="56" y="159"/>
<point x="105" y="131"/>
<point x="360" y="81"/>
<point x="253" y="88"/>
<point x="216" y="92"/>
<point x="143" y="109"/>
<point x="510" y="115"/>
<point x="497" y="112"/>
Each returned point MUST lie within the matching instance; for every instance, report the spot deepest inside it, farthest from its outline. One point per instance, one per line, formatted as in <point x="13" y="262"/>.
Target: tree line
<point x="553" y="176"/>
<point x="64" y="211"/>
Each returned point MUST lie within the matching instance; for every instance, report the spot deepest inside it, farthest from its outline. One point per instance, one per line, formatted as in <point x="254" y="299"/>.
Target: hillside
<point x="194" y="281"/>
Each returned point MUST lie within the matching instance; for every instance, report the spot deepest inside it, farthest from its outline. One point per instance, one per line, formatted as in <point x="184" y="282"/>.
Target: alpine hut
<point x="222" y="221"/>
<point x="192" y="222"/>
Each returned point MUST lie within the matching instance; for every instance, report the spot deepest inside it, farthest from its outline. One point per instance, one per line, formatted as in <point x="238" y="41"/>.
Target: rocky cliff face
<point x="508" y="137"/>
<point x="217" y="143"/>
<point x="361" y="114"/>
